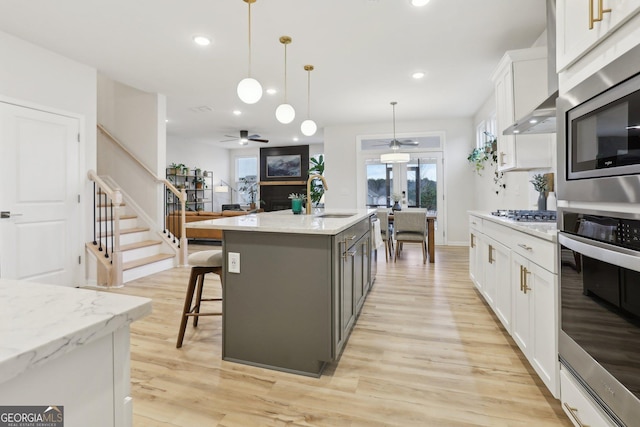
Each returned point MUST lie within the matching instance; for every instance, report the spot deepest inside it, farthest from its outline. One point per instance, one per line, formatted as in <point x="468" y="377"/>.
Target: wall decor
<point x="284" y="166"/>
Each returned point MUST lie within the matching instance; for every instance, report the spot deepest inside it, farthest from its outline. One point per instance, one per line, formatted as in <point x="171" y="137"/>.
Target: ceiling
<point x="364" y="53"/>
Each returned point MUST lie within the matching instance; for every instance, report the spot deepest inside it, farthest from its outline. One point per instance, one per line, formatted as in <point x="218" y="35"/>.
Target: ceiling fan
<point x="245" y="138"/>
<point x="396" y="144"/>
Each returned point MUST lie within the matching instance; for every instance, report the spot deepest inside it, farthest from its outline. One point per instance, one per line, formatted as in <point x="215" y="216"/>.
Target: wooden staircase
<point x="143" y="251"/>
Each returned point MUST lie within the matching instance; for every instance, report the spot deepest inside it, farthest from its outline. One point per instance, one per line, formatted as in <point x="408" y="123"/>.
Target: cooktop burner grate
<point x="527" y="215"/>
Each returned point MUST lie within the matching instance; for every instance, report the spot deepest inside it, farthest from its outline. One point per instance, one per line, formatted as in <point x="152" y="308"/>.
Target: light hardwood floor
<point x="426" y="351"/>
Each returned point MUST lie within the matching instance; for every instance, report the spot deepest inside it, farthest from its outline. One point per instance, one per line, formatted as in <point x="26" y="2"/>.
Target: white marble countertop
<point x="41" y="322"/>
<point x="543" y="230"/>
<point x="286" y="222"/>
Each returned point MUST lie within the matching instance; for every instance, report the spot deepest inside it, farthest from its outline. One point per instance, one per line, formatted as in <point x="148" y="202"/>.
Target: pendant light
<point x="285" y="112"/>
<point x="308" y="127"/>
<point x="249" y="89"/>
<point x="394" y="156"/>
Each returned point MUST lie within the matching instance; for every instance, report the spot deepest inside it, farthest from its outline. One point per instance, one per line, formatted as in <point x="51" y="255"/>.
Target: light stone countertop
<point x="41" y="322"/>
<point x="543" y="230"/>
<point x="286" y="222"/>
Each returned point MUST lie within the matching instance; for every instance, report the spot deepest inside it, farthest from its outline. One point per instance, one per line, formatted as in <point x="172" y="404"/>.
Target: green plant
<point x="539" y="182"/>
<point x="488" y="152"/>
<point x="297" y="196"/>
<point x="317" y="189"/>
<point x="250" y="188"/>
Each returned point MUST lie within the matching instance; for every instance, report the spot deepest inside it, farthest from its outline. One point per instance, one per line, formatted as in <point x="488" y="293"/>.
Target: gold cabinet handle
<point x="490" y="258"/>
<point x="525" y="288"/>
<point x="473" y="242"/>
<point x="525" y="247"/>
<point x="521" y="278"/>
<point x="574" y="415"/>
<point x="601" y="12"/>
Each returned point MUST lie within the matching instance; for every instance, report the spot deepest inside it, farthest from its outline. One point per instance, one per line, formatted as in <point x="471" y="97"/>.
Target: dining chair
<point x="386" y="232"/>
<point x="410" y="227"/>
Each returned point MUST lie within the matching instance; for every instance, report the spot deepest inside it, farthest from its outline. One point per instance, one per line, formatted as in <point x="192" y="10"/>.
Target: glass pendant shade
<point x="308" y="127"/>
<point x="395" y="157"/>
<point x="285" y="113"/>
<point x="249" y="90"/>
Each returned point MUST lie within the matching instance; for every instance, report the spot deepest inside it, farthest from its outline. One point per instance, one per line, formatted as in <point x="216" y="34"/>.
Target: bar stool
<point x="202" y="262"/>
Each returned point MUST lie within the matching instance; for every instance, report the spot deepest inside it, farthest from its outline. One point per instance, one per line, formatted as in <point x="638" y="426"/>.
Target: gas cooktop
<point x="527" y="215"/>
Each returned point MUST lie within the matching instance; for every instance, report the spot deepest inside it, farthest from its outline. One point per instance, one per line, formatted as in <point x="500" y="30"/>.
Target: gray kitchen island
<point x="293" y="285"/>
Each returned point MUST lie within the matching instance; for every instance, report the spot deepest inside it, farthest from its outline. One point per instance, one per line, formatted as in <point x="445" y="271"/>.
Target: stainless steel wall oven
<point x="599" y="236"/>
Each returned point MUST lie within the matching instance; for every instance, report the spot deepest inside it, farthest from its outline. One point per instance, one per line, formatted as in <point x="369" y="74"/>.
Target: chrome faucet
<point x="311" y="178"/>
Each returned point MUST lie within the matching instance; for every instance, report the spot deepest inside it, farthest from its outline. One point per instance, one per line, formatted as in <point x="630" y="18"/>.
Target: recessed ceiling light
<point x="417" y="75"/>
<point x="295" y="139"/>
<point x="419" y="3"/>
<point x="237" y="112"/>
<point x="202" y="40"/>
<point x="272" y="91"/>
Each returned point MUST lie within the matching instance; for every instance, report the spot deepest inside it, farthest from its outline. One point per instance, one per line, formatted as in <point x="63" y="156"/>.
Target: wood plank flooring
<point x="426" y="351"/>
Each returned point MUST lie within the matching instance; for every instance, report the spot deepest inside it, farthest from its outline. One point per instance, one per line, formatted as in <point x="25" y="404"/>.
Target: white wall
<point x="35" y="77"/>
<point x="138" y="120"/>
<point x="340" y="169"/>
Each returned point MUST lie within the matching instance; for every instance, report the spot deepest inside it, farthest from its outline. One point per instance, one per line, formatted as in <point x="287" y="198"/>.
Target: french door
<point x="419" y="183"/>
<point x="39" y="188"/>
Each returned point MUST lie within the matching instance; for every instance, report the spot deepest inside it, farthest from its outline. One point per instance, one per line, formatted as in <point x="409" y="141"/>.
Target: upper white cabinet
<point x="582" y="24"/>
<point x="520" y="85"/>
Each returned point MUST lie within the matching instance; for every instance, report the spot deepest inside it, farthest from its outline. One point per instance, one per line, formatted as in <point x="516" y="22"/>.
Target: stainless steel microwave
<point x="599" y="135"/>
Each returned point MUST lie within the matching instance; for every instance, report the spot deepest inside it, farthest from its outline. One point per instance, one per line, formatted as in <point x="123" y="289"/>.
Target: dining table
<point x="430" y="217"/>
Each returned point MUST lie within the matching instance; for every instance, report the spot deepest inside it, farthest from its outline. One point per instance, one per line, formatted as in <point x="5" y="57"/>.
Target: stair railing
<point x="106" y="230"/>
<point x="174" y="228"/>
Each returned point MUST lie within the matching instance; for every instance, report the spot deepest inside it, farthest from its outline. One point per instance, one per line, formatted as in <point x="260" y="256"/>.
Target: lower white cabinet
<point x="535" y="319"/>
<point x="580" y="408"/>
<point x="515" y="273"/>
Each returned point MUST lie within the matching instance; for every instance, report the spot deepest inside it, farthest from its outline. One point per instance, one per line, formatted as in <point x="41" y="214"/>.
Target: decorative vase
<point x="542" y="202"/>
<point x="296" y="206"/>
<point x="252" y="206"/>
<point x="396" y="207"/>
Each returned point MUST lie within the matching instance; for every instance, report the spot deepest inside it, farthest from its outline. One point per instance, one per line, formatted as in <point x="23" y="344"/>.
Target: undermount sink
<point x="336" y="215"/>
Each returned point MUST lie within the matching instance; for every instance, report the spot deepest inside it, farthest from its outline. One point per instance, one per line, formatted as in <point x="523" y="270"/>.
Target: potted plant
<point x="396" y="197"/>
<point x="250" y="189"/>
<point x="174" y="168"/>
<point x="317" y="189"/>
<point x="197" y="171"/>
<point x="199" y="182"/>
<point x="540" y="184"/>
<point x="296" y="202"/>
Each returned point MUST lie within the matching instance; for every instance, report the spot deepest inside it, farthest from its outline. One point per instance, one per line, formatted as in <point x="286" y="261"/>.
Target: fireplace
<point x="283" y="170"/>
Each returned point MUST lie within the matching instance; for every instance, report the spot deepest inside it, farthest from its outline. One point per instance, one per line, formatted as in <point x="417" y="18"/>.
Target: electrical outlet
<point x="234" y="262"/>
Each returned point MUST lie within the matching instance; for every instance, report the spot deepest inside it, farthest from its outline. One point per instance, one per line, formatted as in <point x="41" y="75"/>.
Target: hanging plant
<point x="488" y="153"/>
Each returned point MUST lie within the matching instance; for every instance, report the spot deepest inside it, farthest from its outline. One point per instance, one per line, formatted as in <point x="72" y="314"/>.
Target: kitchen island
<point x="67" y="347"/>
<point x="293" y="286"/>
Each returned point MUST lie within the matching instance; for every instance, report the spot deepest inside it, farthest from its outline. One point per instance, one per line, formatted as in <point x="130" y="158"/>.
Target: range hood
<point x="543" y="118"/>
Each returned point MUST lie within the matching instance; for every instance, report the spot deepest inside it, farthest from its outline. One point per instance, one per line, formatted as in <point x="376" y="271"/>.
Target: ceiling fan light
<point x="249" y="90"/>
<point x="285" y="113"/>
<point x="308" y="127"/>
<point x="395" y="157"/>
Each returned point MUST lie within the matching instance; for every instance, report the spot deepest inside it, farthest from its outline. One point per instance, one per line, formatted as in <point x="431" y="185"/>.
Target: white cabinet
<point x="498" y="259"/>
<point x="475" y="266"/>
<point x="580" y="408"/>
<point x="520" y="85"/>
<point x="516" y="274"/>
<point x="578" y="27"/>
<point x="535" y="317"/>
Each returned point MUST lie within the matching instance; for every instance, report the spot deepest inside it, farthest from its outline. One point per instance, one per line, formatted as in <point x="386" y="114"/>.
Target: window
<point x="379" y="184"/>
<point x="246" y="169"/>
<point x="422" y="191"/>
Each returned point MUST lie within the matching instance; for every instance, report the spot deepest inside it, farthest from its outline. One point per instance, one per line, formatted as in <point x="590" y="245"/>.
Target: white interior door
<point x="39" y="187"/>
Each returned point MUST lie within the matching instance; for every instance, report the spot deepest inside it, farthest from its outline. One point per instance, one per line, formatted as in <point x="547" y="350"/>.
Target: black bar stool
<point x="201" y="263"/>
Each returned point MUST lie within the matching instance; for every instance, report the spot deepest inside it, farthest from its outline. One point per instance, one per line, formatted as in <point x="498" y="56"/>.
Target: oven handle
<point x="610" y="254"/>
